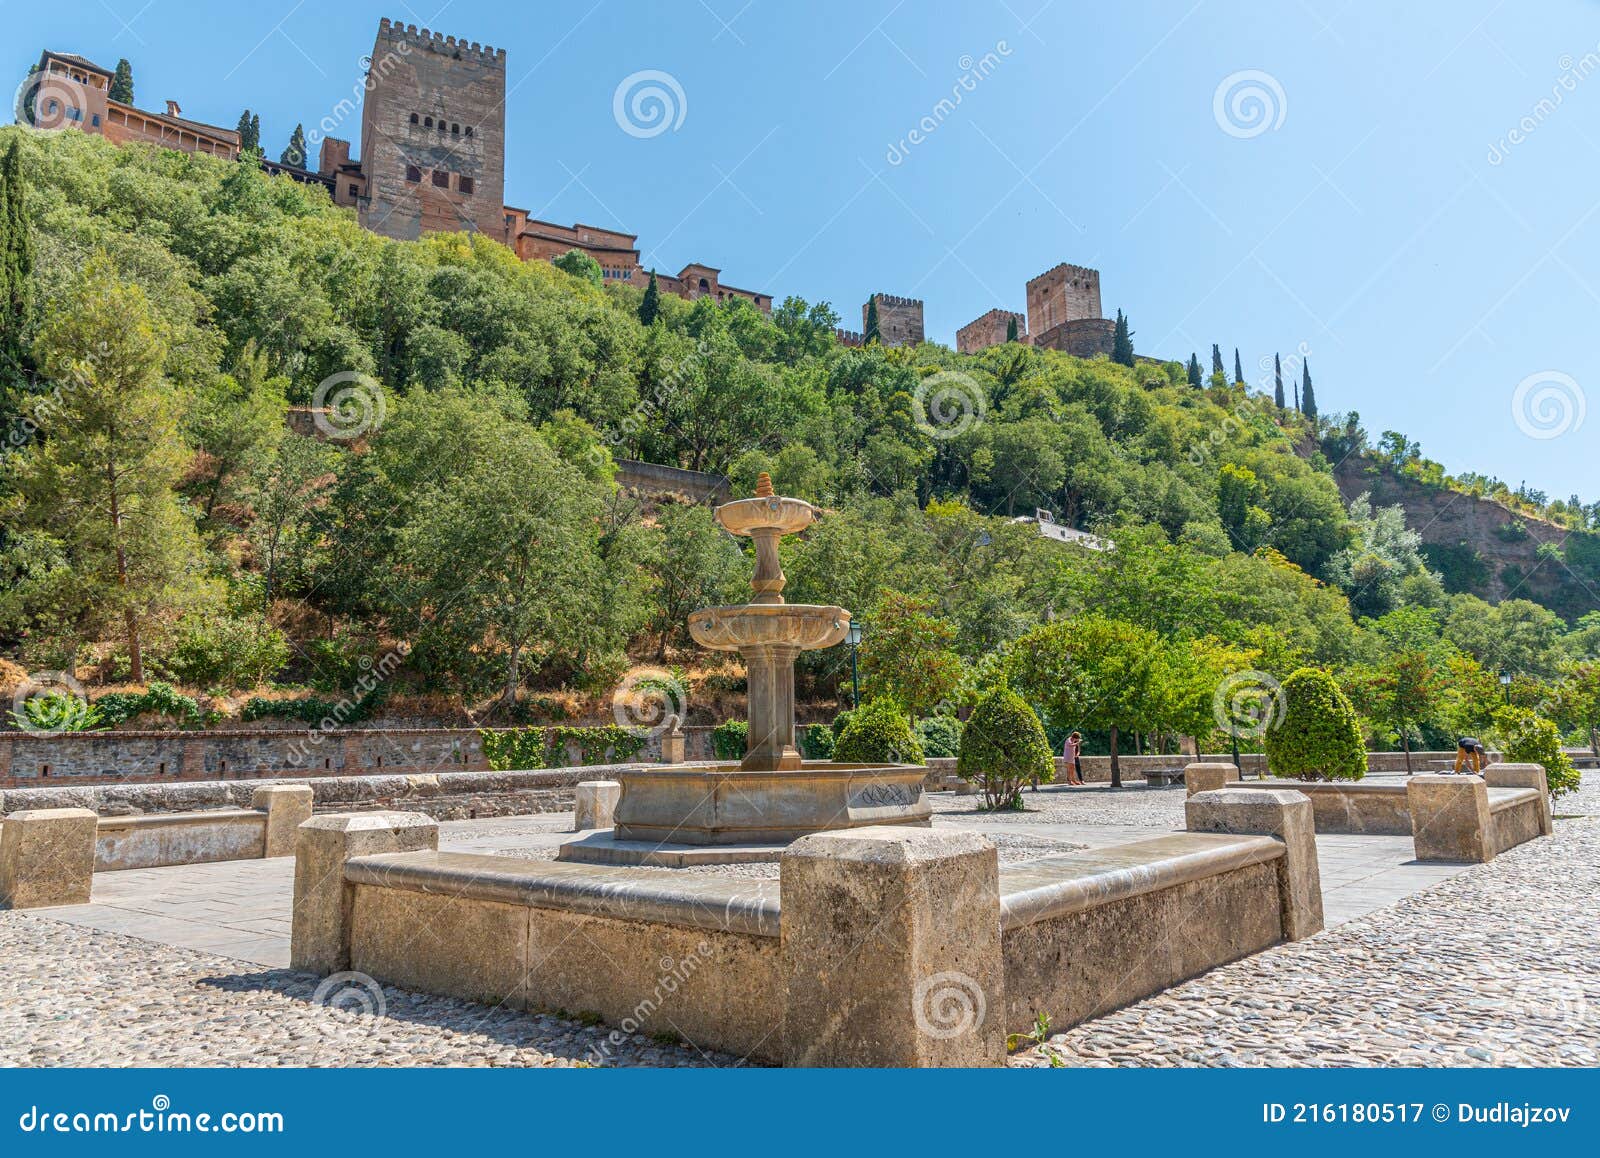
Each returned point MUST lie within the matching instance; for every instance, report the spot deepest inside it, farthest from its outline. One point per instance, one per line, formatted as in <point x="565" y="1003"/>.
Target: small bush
<point x="159" y="699"/>
<point x="878" y="733"/>
<point x="1532" y="739"/>
<point x="1003" y="747"/>
<point x="841" y="722"/>
<point x="729" y="740"/>
<point x="57" y="711"/>
<point x="940" y="736"/>
<point x="226" y="651"/>
<point x="1319" y="736"/>
<point x="817" y="742"/>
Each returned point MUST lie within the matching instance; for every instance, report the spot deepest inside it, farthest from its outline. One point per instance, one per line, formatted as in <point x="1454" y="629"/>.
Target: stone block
<point x="1285" y="815"/>
<point x="1208" y="777"/>
<point x="287" y="806"/>
<point x="891" y="949"/>
<point x="596" y="804"/>
<point x="323" y="900"/>
<point x="47" y="857"/>
<point x="1450" y="817"/>
<point x="674" y="747"/>
<point x="1524" y="776"/>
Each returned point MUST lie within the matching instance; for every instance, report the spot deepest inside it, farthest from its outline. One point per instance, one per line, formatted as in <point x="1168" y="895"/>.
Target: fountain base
<point x="722" y="804"/>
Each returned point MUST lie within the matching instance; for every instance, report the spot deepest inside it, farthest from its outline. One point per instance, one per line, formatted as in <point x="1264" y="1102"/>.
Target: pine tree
<point x="1011" y="328"/>
<point x="1238" y="368"/>
<point x="1277" y="381"/>
<point x="122" y="83"/>
<point x="1122" y="342"/>
<point x="1194" y="372"/>
<point x="1308" y="396"/>
<point x="295" y="154"/>
<point x="16" y="268"/>
<point x="871" y="335"/>
<point x="651" y="305"/>
<point x="1216" y="359"/>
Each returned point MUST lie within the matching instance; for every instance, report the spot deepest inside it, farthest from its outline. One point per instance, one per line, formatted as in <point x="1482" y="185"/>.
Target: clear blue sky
<point x="1368" y="222"/>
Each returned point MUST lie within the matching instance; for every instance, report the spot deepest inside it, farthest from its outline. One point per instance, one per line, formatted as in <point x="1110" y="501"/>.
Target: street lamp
<point x="1505" y="682"/>
<point x="853" y="637"/>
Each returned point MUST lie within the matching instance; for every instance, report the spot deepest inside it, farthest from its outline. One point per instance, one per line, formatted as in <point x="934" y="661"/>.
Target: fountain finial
<point x="764" y="486"/>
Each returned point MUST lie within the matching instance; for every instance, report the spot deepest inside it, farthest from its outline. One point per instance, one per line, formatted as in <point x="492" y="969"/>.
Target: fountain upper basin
<point x="766" y="512"/>
<point x="806" y="626"/>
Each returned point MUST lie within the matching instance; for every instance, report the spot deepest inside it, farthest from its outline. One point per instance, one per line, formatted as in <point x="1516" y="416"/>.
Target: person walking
<point x="1470" y="755"/>
<point x="1072" y="752"/>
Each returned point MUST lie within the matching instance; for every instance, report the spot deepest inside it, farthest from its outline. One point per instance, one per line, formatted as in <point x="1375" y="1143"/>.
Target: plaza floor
<point x="1421" y="964"/>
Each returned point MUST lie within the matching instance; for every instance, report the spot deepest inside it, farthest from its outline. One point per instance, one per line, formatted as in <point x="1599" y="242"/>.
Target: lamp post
<point x="1505" y="682"/>
<point x="854" y="638"/>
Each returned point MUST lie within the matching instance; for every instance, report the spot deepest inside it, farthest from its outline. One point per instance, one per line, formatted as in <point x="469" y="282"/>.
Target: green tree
<point x="878" y="732"/>
<point x="16" y="276"/>
<point x="1122" y="342"/>
<point x="99" y="487"/>
<point x="284" y="492"/>
<point x="907" y="654"/>
<point x="1003" y="747"/>
<point x="650" y="304"/>
<point x="249" y="130"/>
<point x="234" y="421"/>
<point x="1092" y="674"/>
<point x="1240" y="499"/>
<point x="871" y="334"/>
<point x="580" y="265"/>
<point x="122" y="83"/>
<point x="1318" y="734"/>
<point x="695" y="564"/>
<point x="1195" y="379"/>
<point x="1529" y="738"/>
<point x="1278" y="399"/>
<point x="297" y="153"/>
<point x="1238" y="368"/>
<point x="1216" y="359"/>
<point x="1308" y="396"/>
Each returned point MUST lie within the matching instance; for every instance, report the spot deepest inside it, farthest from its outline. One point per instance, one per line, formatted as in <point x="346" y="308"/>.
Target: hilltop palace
<point x="433" y="139"/>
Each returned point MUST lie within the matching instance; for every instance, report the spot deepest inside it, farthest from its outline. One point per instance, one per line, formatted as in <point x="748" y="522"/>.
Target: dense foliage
<point x="878" y="733"/>
<point x="1003" y="748"/>
<point x="1319" y="735"/>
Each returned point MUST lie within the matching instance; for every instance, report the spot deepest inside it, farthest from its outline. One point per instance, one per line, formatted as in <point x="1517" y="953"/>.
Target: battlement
<point x="397" y="31"/>
<point x="893" y="300"/>
<point x="1067" y="270"/>
<point x="849" y="337"/>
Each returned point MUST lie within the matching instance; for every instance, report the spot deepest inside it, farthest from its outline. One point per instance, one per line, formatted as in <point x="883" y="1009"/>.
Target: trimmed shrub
<point x="1319" y="736"/>
<point x="939" y="735"/>
<point x="729" y="740"/>
<point x="1003" y="747"/>
<point x="817" y="742"/>
<point x="878" y="733"/>
<point x="1532" y="739"/>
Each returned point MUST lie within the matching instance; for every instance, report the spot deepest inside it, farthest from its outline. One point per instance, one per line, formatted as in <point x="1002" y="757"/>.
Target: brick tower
<point x="433" y="135"/>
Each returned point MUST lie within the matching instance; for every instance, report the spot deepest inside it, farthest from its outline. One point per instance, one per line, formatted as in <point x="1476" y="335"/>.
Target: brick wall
<point x="899" y="320"/>
<point x="989" y="330"/>
<point x="1063" y="294"/>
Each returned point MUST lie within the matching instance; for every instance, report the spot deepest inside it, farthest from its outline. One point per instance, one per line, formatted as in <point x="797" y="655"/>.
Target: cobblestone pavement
<point x="1493" y="967"/>
<point x="73" y="996"/>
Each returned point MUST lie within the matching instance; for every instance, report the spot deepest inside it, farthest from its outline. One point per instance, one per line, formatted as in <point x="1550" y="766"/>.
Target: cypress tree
<point x="1277" y="382"/>
<point x="122" y="83"/>
<point x="1216" y="359"/>
<point x="16" y="267"/>
<point x="871" y="335"/>
<point x="1308" y="396"/>
<point x="1122" y="342"/>
<point x="295" y="154"/>
<point x="1194" y="371"/>
<point x="249" y="130"/>
<point x="651" y="305"/>
<point x="1238" y="367"/>
<point x="1011" y="329"/>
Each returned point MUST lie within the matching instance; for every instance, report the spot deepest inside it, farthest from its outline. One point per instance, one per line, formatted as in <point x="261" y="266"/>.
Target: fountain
<point x="696" y="813"/>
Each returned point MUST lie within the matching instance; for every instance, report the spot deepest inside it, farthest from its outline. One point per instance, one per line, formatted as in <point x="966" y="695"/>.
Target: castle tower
<point x="899" y="320"/>
<point x="1067" y="293"/>
<point x="433" y="135"/>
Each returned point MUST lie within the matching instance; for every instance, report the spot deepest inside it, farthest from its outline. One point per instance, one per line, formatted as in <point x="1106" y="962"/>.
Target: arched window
<point x="455" y="129"/>
<point x="469" y="130"/>
<point x="427" y="122"/>
<point x="413" y="118"/>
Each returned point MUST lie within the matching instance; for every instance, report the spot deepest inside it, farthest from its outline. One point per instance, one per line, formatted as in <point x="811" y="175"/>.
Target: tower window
<point x="413" y="118"/>
<point x="441" y="179"/>
<point x="464" y="184"/>
<point x="469" y="130"/>
<point x="455" y="128"/>
<point x="413" y="174"/>
<point x="427" y="122"/>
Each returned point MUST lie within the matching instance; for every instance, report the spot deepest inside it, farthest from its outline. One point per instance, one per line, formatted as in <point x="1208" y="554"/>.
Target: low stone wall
<point x="1350" y="808"/>
<point x="888" y="946"/>
<point x="136" y="842"/>
<point x="1475" y="818"/>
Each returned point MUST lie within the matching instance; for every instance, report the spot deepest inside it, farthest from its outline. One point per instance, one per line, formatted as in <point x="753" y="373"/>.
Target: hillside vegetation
<point x="457" y="526"/>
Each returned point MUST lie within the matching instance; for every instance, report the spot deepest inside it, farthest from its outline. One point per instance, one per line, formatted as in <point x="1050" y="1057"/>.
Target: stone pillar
<point x="1208" y="777"/>
<point x="596" y="804"/>
<point x="194" y="760"/>
<point x="287" y="806"/>
<point x="1449" y="817"/>
<point x="1277" y="812"/>
<point x="1524" y="776"/>
<point x="320" y="931"/>
<point x="673" y="745"/>
<point x="47" y="857"/>
<point x="769" y="675"/>
<point x="891" y="949"/>
<point x="350" y="754"/>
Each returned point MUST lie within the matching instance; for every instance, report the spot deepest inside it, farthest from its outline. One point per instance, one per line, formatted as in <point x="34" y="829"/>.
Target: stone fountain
<point x="694" y="813"/>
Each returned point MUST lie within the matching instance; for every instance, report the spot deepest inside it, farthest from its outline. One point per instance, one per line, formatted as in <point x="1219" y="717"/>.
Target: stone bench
<point x="50" y="855"/>
<point x="1209" y="777"/>
<point x="1163" y="777"/>
<point x="878" y="946"/>
<point x="1350" y="807"/>
<point x="1475" y="818"/>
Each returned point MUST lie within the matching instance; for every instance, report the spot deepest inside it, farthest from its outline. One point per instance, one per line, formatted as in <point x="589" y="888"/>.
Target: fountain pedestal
<point x="773" y="796"/>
